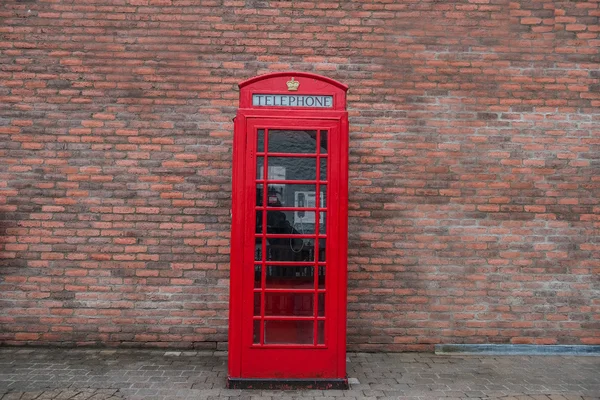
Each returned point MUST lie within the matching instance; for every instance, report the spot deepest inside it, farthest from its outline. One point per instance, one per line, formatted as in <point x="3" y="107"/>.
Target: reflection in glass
<point x="259" y="195"/>
<point x="292" y="195"/>
<point x="323" y="199"/>
<point x="324" y="138"/>
<point x="258" y="249"/>
<point x="290" y="222"/>
<point x="289" y="332"/>
<point x="321" y="305"/>
<point x="259" y="222"/>
<point x="292" y="168"/>
<point x="260" y="167"/>
<point x="256" y="303"/>
<point x="292" y="141"/>
<point x="322" y="249"/>
<point x="321" y="332"/>
<point x="257" y="276"/>
<point x="323" y="169"/>
<point x="282" y="277"/>
<point x="289" y="304"/>
<point x="260" y="145"/>
<point x="321" y="277"/>
<point x="323" y="222"/>
<point x="290" y="249"/>
<point x="286" y="223"/>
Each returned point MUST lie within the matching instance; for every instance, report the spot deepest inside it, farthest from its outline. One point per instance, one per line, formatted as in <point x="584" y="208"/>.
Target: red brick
<point x="472" y="178"/>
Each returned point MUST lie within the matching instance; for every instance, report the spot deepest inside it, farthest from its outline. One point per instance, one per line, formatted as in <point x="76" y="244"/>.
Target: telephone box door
<point x="290" y="302"/>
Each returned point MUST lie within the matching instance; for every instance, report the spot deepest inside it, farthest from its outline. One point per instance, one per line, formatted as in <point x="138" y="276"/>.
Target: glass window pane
<point x="278" y="195"/>
<point x="323" y="200"/>
<point x="322" y="250"/>
<point x="288" y="223"/>
<point x="258" y="249"/>
<point x="259" y="222"/>
<point x="292" y="168"/>
<point x="256" y="332"/>
<point x="323" y="169"/>
<point x="323" y="222"/>
<point x="260" y="168"/>
<point x="281" y="277"/>
<point x="321" y="277"/>
<point x="324" y="138"/>
<point x="292" y="141"/>
<point x="321" y="332"/>
<point x="257" y="276"/>
<point x="289" y="332"/>
<point x="259" y="195"/>
<point x="290" y="249"/>
<point x="293" y="195"/>
<point x="256" y="303"/>
<point x="289" y="304"/>
<point x="321" y="305"/>
<point x="260" y="145"/>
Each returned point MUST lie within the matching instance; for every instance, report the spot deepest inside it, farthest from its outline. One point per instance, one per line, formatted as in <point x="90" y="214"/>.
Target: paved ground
<point x="82" y="374"/>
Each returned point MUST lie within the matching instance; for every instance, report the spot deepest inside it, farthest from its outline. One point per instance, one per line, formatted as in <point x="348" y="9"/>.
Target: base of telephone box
<point x="287" y="384"/>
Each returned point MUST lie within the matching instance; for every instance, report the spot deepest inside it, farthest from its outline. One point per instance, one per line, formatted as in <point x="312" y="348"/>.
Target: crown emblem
<point x="292" y="85"/>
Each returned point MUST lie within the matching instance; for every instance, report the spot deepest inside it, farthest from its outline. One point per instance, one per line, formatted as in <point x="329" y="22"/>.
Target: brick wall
<point x="474" y="165"/>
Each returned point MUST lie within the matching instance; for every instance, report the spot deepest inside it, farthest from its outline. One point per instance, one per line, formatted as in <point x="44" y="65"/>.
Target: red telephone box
<point x="287" y="319"/>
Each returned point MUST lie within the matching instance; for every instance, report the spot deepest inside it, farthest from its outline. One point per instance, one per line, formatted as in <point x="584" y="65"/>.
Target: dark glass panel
<point x="324" y="139"/>
<point x="289" y="304"/>
<point x="321" y="277"/>
<point x="323" y="169"/>
<point x="259" y="195"/>
<point x="260" y="145"/>
<point x="290" y="249"/>
<point x="321" y="332"/>
<point x="291" y="195"/>
<point x="258" y="249"/>
<point x="288" y="223"/>
<point x="259" y="222"/>
<point x="260" y="168"/>
<point x="256" y="303"/>
<point x="289" y="332"/>
<point x="257" y="276"/>
<point x="292" y="168"/>
<point x="281" y="277"/>
<point x="292" y="141"/>
<point x="256" y="332"/>
<point x="322" y="250"/>
<point x="321" y="305"/>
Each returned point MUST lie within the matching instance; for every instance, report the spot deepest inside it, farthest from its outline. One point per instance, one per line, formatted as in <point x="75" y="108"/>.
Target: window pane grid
<point x="284" y="308"/>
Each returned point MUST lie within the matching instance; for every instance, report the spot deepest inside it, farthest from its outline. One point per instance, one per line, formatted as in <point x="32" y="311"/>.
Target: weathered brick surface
<point x="474" y="165"/>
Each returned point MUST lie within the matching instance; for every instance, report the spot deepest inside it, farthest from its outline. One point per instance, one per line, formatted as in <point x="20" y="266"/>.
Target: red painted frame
<point x="288" y="361"/>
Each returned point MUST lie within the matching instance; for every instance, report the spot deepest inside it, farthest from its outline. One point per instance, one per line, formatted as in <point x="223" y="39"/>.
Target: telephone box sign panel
<point x="292" y="100"/>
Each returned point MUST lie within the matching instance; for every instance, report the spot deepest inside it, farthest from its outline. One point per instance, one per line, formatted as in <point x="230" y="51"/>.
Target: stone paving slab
<point x="96" y="374"/>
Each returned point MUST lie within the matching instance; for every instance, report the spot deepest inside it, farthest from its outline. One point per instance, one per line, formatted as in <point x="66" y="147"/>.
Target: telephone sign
<point x="291" y="100"/>
<point x="287" y="319"/>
